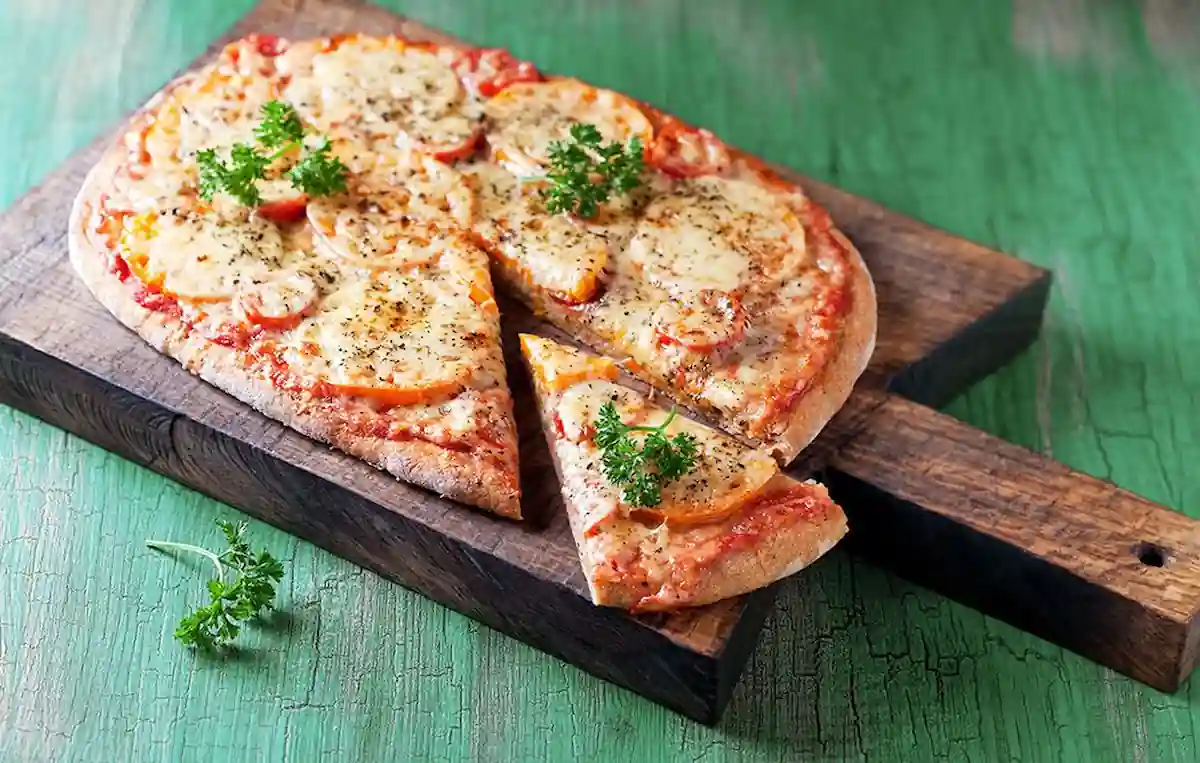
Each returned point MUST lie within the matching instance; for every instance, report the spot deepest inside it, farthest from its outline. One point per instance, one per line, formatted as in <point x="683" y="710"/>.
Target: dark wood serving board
<point x="1063" y="555"/>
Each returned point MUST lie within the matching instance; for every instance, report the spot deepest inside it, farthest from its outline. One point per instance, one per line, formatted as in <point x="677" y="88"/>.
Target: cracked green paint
<point x="1062" y="132"/>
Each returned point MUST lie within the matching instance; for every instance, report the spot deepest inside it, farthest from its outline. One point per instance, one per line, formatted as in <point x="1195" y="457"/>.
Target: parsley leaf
<point x="319" y="174"/>
<point x="281" y="125"/>
<point x="584" y="173"/>
<point x="316" y="173"/>
<point x="642" y="471"/>
<point x="214" y="625"/>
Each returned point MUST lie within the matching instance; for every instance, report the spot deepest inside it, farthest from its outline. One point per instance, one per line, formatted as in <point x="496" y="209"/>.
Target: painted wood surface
<point x="1063" y="135"/>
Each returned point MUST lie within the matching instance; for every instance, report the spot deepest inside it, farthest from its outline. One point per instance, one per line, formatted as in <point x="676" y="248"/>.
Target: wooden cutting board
<point x="1063" y="555"/>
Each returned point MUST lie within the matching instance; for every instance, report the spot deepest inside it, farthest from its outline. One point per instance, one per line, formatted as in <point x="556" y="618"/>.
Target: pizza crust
<point x="832" y="388"/>
<point x="782" y="554"/>
<point x="463" y="477"/>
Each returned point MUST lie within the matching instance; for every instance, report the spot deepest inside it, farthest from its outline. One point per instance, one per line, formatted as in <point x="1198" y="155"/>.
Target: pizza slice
<point x="326" y="280"/>
<point x="666" y="512"/>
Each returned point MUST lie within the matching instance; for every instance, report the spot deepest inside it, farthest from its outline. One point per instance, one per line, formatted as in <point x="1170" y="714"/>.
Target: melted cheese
<point x="527" y="117"/>
<point x="280" y="300"/>
<point x="559" y="253"/>
<point x="395" y="330"/>
<point x="384" y="89"/>
<point x="580" y="405"/>
<point x="727" y="474"/>
<point x="558" y="367"/>
<point x="714" y="233"/>
<point x="205" y="257"/>
<point x="391" y="214"/>
<point x="215" y="112"/>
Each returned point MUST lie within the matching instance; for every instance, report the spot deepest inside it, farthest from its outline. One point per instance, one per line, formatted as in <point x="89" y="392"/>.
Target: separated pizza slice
<point x="666" y="512"/>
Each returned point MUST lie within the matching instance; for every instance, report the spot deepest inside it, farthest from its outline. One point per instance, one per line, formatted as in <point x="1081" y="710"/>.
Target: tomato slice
<point x="269" y="45"/>
<point x="487" y="71"/>
<point x="740" y="482"/>
<point x="453" y="153"/>
<point x="279" y="304"/>
<point x="398" y="395"/>
<point x="683" y="151"/>
<point x="710" y="321"/>
<point x="284" y="210"/>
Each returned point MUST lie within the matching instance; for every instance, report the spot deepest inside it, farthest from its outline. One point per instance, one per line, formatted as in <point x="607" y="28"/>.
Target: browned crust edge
<point x="784" y="553"/>
<point x="462" y="477"/>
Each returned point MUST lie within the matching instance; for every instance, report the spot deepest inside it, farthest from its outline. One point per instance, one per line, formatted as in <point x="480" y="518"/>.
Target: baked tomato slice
<point x="280" y="303"/>
<point x="683" y="151"/>
<point x="707" y="322"/>
<point x="487" y="71"/>
<point x="288" y="210"/>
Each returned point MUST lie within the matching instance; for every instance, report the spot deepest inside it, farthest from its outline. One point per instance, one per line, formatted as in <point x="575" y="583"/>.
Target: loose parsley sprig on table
<point x="231" y="604"/>
<point x="584" y="174"/>
<point x="316" y="173"/>
<point x="642" y="471"/>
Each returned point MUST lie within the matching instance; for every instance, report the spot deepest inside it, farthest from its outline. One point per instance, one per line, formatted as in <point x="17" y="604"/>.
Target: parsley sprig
<point x="281" y="131"/>
<point x="231" y="603"/>
<point x="642" y="470"/>
<point x="584" y="173"/>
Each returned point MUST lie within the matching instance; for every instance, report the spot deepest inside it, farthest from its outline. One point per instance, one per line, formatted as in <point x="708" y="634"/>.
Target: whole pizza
<point x="314" y="227"/>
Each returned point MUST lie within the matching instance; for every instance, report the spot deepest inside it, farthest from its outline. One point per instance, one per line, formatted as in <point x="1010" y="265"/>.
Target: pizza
<point x="314" y="227"/>
<point x="364" y="318"/>
<point x="728" y="523"/>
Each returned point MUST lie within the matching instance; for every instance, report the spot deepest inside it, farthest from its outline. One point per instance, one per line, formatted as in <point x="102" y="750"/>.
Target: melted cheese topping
<point x="382" y="88"/>
<point x="525" y="118"/>
<point x="205" y="257"/>
<point x="714" y="233"/>
<point x="393" y="330"/>
<point x="580" y="405"/>
<point x="564" y="255"/>
<point x="216" y="110"/>
<point x="390" y="215"/>
<point x="557" y="370"/>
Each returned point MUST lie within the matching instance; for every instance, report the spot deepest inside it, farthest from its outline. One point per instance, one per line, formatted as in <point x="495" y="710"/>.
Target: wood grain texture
<point x="1068" y="557"/>
<point x="999" y="145"/>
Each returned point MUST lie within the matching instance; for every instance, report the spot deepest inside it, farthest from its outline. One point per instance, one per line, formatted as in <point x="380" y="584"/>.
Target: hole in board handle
<point x="1151" y="554"/>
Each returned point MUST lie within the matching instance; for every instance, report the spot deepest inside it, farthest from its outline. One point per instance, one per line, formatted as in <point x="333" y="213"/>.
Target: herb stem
<point x="279" y="154"/>
<point x="166" y="545"/>
<point x="659" y="428"/>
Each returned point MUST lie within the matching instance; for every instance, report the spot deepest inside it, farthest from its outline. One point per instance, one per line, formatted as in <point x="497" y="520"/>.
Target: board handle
<point x="1065" y="556"/>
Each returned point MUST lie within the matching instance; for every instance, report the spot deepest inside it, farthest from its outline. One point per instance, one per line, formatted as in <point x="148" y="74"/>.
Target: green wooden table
<point x="1067" y="133"/>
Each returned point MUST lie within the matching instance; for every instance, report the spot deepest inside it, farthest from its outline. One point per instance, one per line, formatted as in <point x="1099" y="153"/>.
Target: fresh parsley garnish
<point x="584" y="174"/>
<point x="316" y="173"/>
<point x="643" y="470"/>
<point x="231" y="602"/>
